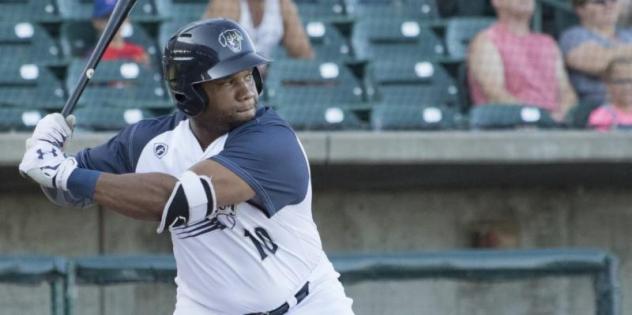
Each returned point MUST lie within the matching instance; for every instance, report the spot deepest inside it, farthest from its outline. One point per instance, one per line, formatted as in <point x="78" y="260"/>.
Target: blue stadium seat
<point x="120" y="84"/>
<point x="27" y="42"/>
<point x="416" y="95"/>
<point x="460" y="31"/>
<point x="30" y="86"/>
<point x="411" y="117"/>
<point x="509" y="116"/>
<point x="323" y="10"/>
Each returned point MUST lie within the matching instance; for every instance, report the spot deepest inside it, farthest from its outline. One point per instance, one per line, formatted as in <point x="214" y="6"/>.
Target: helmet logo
<point x="231" y="39"/>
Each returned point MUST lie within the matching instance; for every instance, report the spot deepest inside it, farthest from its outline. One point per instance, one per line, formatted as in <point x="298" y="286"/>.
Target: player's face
<point x="232" y="101"/>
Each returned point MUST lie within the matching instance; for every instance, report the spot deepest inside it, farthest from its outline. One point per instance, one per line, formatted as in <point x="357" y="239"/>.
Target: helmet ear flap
<point x="192" y="103"/>
<point x="256" y="74"/>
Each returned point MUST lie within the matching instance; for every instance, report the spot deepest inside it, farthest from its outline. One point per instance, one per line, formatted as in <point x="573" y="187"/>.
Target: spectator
<point x="590" y="47"/>
<point x="618" y="111"/>
<point x="119" y="48"/>
<point x="625" y="18"/>
<point x="510" y="64"/>
<point x="268" y="22"/>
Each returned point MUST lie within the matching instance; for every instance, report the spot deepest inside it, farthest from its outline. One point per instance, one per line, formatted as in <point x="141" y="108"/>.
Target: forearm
<point x="140" y="196"/>
<point x="499" y="95"/>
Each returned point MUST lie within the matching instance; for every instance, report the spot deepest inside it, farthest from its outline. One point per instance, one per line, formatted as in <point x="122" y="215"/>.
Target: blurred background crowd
<point x="341" y="64"/>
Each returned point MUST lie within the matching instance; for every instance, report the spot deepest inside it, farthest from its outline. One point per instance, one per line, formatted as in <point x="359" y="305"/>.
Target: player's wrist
<point x="82" y="182"/>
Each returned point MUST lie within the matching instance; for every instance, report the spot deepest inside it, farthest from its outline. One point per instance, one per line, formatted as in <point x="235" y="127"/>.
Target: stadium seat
<point x="474" y="8"/>
<point x="411" y="71"/>
<point x="322" y="10"/>
<point x="380" y="38"/>
<point x="304" y="82"/>
<point x="28" y="11"/>
<point x="416" y="95"/>
<point x="509" y="116"/>
<point x="410" y="117"/>
<point x="30" y="86"/>
<point x="143" y="10"/>
<point x="99" y="118"/>
<point x="79" y="37"/>
<point x="460" y="31"/>
<point x="578" y="115"/>
<point x="320" y="117"/>
<point x="19" y="119"/>
<point x="27" y="42"/>
<point x="185" y="11"/>
<point x="120" y="84"/>
<point x="326" y="39"/>
<point x="415" y="9"/>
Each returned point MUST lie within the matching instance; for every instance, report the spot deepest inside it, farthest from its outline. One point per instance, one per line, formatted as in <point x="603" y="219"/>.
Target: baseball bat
<point x="121" y="10"/>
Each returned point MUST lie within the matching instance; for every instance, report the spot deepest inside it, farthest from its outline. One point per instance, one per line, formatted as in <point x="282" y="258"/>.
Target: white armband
<point x="191" y="201"/>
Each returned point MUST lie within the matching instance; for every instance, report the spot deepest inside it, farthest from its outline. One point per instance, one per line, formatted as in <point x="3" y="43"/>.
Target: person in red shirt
<point x="617" y="112"/>
<point x="119" y="48"/>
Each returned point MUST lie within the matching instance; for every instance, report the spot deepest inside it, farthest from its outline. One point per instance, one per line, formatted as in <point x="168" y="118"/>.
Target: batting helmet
<point x="204" y="51"/>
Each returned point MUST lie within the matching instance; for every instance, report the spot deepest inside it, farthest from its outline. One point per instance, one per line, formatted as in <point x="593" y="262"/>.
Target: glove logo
<point x="232" y="39"/>
<point x="41" y="154"/>
<point x="160" y="150"/>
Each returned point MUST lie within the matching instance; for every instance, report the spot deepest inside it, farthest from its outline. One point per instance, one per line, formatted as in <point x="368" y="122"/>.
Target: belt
<point x="300" y="295"/>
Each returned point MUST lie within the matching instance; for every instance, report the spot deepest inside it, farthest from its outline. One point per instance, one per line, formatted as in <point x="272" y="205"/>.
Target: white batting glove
<point x="47" y="165"/>
<point x="54" y="129"/>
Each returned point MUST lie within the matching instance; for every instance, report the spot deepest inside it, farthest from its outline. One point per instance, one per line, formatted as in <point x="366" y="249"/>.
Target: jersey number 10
<point x="262" y="241"/>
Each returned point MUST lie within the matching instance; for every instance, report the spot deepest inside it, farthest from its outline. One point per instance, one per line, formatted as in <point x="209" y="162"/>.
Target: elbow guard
<point x="191" y="201"/>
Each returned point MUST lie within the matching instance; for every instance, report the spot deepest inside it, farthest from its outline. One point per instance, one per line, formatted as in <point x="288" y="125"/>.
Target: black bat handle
<point x="121" y="10"/>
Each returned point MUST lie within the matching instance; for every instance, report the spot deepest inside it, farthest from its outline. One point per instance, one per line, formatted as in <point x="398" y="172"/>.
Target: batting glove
<point x="47" y="165"/>
<point x="54" y="129"/>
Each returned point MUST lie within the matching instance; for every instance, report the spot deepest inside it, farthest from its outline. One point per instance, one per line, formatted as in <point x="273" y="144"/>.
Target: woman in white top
<point x="268" y="22"/>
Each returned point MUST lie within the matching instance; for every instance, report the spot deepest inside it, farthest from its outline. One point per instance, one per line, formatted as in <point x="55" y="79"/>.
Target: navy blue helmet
<point x="204" y="51"/>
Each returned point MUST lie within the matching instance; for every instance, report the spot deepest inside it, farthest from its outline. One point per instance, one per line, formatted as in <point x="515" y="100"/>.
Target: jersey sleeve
<point x="271" y="160"/>
<point x="114" y="156"/>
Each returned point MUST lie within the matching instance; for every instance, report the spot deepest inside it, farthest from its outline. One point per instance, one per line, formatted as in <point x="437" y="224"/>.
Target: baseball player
<point x="226" y="176"/>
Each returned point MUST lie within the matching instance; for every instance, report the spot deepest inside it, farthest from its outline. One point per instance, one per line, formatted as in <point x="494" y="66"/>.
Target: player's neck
<point x="206" y="135"/>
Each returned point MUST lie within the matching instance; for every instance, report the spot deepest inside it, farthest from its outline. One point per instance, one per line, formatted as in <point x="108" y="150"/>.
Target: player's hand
<point x="54" y="129"/>
<point x="46" y="164"/>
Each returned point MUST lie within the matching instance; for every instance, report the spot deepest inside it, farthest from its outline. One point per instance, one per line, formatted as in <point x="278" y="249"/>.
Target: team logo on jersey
<point x="231" y="39"/>
<point x="160" y="149"/>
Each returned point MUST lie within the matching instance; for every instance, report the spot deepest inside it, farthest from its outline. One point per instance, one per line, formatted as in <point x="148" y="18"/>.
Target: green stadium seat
<point x="17" y="11"/>
<point x="30" y="86"/>
<point x="415" y="9"/>
<point x="19" y="119"/>
<point x="99" y="118"/>
<point x="324" y="10"/>
<point x="326" y="39"/>
<point x="416" y="95"/>
<point x="474" y="8"/>
<point x="303" y="82"/>
<point x="323" y="117"/>
<point x="460" y="31"/>
<point x="185" y="11"/>
<point x="509" y="116"/>
<point x="380" y="38"/>
<point x="577" y="116"/>
<point x="143" y="10"/>
<point x="27" y="42"/>
<point x="78" y="38"/>
<point x="120" y="84"/>
<point x="411" y="117"/>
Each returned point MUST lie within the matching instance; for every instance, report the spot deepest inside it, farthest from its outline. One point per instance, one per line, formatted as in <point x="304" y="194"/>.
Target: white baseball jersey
<point x="254" y="255"/>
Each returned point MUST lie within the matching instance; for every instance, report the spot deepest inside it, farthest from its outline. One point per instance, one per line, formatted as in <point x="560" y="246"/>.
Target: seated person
<point x="268" y="22"/>
<point x="617" y="112"/>
<point x="590" y="47"/>
<point x="119" y="48"/>
<point x="510" y="64"/>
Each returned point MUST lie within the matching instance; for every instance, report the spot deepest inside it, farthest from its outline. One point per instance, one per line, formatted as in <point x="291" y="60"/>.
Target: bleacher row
<point x="380" y="64"/>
